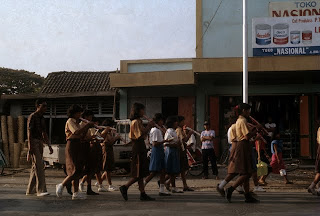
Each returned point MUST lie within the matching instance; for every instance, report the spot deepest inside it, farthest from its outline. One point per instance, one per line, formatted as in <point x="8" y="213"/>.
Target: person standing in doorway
<point x="271" y="127"/>
<point x="207" y="137"/>
<point x="37" y="136"/>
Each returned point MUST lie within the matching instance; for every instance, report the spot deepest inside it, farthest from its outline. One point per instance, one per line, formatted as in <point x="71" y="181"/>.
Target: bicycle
<point x="195" y="167"/>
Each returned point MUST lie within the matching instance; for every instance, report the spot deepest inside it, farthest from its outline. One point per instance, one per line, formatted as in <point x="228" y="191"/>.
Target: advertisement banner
<point x="294" y="8"/>
<point x="286" y="36"/>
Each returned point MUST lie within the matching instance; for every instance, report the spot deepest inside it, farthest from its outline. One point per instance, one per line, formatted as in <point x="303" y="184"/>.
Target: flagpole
<point x="245" y="53"/>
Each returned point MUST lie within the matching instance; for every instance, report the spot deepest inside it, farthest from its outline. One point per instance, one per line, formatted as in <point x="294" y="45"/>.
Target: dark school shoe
<point x="251" y="199"/>
<point x="188" y="189"/>
<point x="145" y="197"/>
<point x="91" y="192"/>
<point x="228" y="193"/>
<point x="164" y="194"/>
<point x="124" y="192"/>
<point x="69" y="189"/>
<point x="221" y="191"/>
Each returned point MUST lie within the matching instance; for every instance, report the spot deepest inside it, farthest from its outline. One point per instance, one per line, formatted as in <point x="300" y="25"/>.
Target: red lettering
<point x="305" y="12"/>
<point x="294" y="13"/>
<point x="276" y="14"/>
<point x="286" y="13"/>
<point x="315" y="12"/>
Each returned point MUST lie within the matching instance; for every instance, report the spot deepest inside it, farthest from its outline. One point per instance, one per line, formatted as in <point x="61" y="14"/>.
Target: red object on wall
<point x="214" y="121"/>
<point x="186" y="108"/>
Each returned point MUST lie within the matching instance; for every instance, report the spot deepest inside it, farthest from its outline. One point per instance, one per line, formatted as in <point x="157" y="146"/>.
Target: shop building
<point x="209" y="86"/>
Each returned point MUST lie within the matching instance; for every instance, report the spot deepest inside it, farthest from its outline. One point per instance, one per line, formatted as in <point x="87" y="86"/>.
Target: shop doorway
<point x="283" y="110"/>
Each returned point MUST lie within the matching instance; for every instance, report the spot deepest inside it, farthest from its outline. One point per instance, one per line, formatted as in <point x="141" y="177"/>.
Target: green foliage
<point x="19" y="81"/>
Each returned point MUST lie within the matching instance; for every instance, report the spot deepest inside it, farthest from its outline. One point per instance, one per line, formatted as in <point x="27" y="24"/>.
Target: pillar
<point x="123" y="104"/>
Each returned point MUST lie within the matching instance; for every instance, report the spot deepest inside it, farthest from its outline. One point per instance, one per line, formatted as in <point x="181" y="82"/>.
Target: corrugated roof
<point x="76" y="82"/>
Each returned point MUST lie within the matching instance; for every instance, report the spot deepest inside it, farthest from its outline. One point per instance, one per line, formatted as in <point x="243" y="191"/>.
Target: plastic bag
<point x="262" y="168"/>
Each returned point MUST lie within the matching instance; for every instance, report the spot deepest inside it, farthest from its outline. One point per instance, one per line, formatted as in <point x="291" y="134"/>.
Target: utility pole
<point x="245" y="53"/>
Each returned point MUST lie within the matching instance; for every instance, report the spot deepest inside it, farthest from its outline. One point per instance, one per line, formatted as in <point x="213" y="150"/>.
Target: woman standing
<point x="139" y="163"/>
<point x="241" y="155"/>
<point x="172" y="158"/>
<point x="75" y="152"/>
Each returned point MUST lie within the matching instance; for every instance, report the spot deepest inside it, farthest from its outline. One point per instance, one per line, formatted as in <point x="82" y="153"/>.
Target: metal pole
<point x="245" y="53"/>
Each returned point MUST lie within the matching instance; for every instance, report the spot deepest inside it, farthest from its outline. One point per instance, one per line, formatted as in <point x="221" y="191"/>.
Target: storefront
<point x="283" y="83"/>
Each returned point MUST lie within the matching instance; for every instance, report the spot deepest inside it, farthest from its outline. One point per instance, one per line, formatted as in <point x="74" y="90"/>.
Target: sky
<point x="45" y="36"/>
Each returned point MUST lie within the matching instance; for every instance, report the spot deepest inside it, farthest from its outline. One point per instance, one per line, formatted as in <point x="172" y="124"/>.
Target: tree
<point x="19" y="81"/>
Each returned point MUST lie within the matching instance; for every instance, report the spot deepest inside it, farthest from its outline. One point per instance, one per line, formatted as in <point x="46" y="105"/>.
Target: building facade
<point x="285" y="88"/>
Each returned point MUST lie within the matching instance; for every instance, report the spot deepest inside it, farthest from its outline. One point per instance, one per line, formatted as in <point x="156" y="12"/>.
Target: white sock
<point x="145" y="183"/>
<point x="174" y="188"/>
<point x="239" y="188"/>
<point x="222" y="184"/>
<point x="312" y="186"/>
<point x="162" y="188"/>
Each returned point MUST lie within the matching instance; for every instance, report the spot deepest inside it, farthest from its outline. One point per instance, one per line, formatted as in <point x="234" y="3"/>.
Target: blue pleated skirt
<point x="172" y="160"/>
<point x="157" y="159"/>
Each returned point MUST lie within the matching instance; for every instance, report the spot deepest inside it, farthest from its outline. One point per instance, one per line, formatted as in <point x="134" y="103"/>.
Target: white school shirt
<point x="270" y="126"/>
<point x="192" y="140"/>
<point x="155" y="135"/>
<point x="169" y="134"/>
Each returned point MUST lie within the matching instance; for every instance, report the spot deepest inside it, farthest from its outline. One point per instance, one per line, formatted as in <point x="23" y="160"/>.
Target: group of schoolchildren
<point x="89" y="153"/>
<point x="247" y="147"/>
<point x="168" y="157"/>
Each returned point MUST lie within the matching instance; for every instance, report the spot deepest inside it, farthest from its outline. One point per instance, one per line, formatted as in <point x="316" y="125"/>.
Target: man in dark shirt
<point x="37" y="136"/>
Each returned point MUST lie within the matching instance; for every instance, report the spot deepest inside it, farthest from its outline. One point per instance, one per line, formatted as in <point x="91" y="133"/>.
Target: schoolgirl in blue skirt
<point x="172" y="157"/>
<point x="157" y="163"/>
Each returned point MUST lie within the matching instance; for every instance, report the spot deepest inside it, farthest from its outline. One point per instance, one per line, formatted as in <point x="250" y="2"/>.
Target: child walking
<point x="157" y="163"/>
<point x="75" y="152"/>
<point x="277" y="163"/>
<point x="241" y="155"/>
<point x="183" y="138"/>
<point x="108" y="155"/>
<point x="172" y="158"/>
<point x="139" y="163"/>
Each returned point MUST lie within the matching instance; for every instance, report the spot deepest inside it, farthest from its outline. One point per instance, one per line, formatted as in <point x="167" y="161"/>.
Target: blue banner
<point x="287" y="51"/>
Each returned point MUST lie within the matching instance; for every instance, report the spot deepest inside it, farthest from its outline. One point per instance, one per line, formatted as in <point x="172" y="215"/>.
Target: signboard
<point x="294" y="8"/>
<point x="286" y="36"/>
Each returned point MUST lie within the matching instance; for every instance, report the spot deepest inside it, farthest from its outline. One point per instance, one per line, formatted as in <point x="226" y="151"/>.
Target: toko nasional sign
<point x="294" y="8"/>
<point x="286" y="36"/>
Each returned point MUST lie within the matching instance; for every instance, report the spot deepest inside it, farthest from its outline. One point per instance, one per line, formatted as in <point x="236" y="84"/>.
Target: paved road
<point x="13" y="202"/>
<point x="278" y="200"/>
